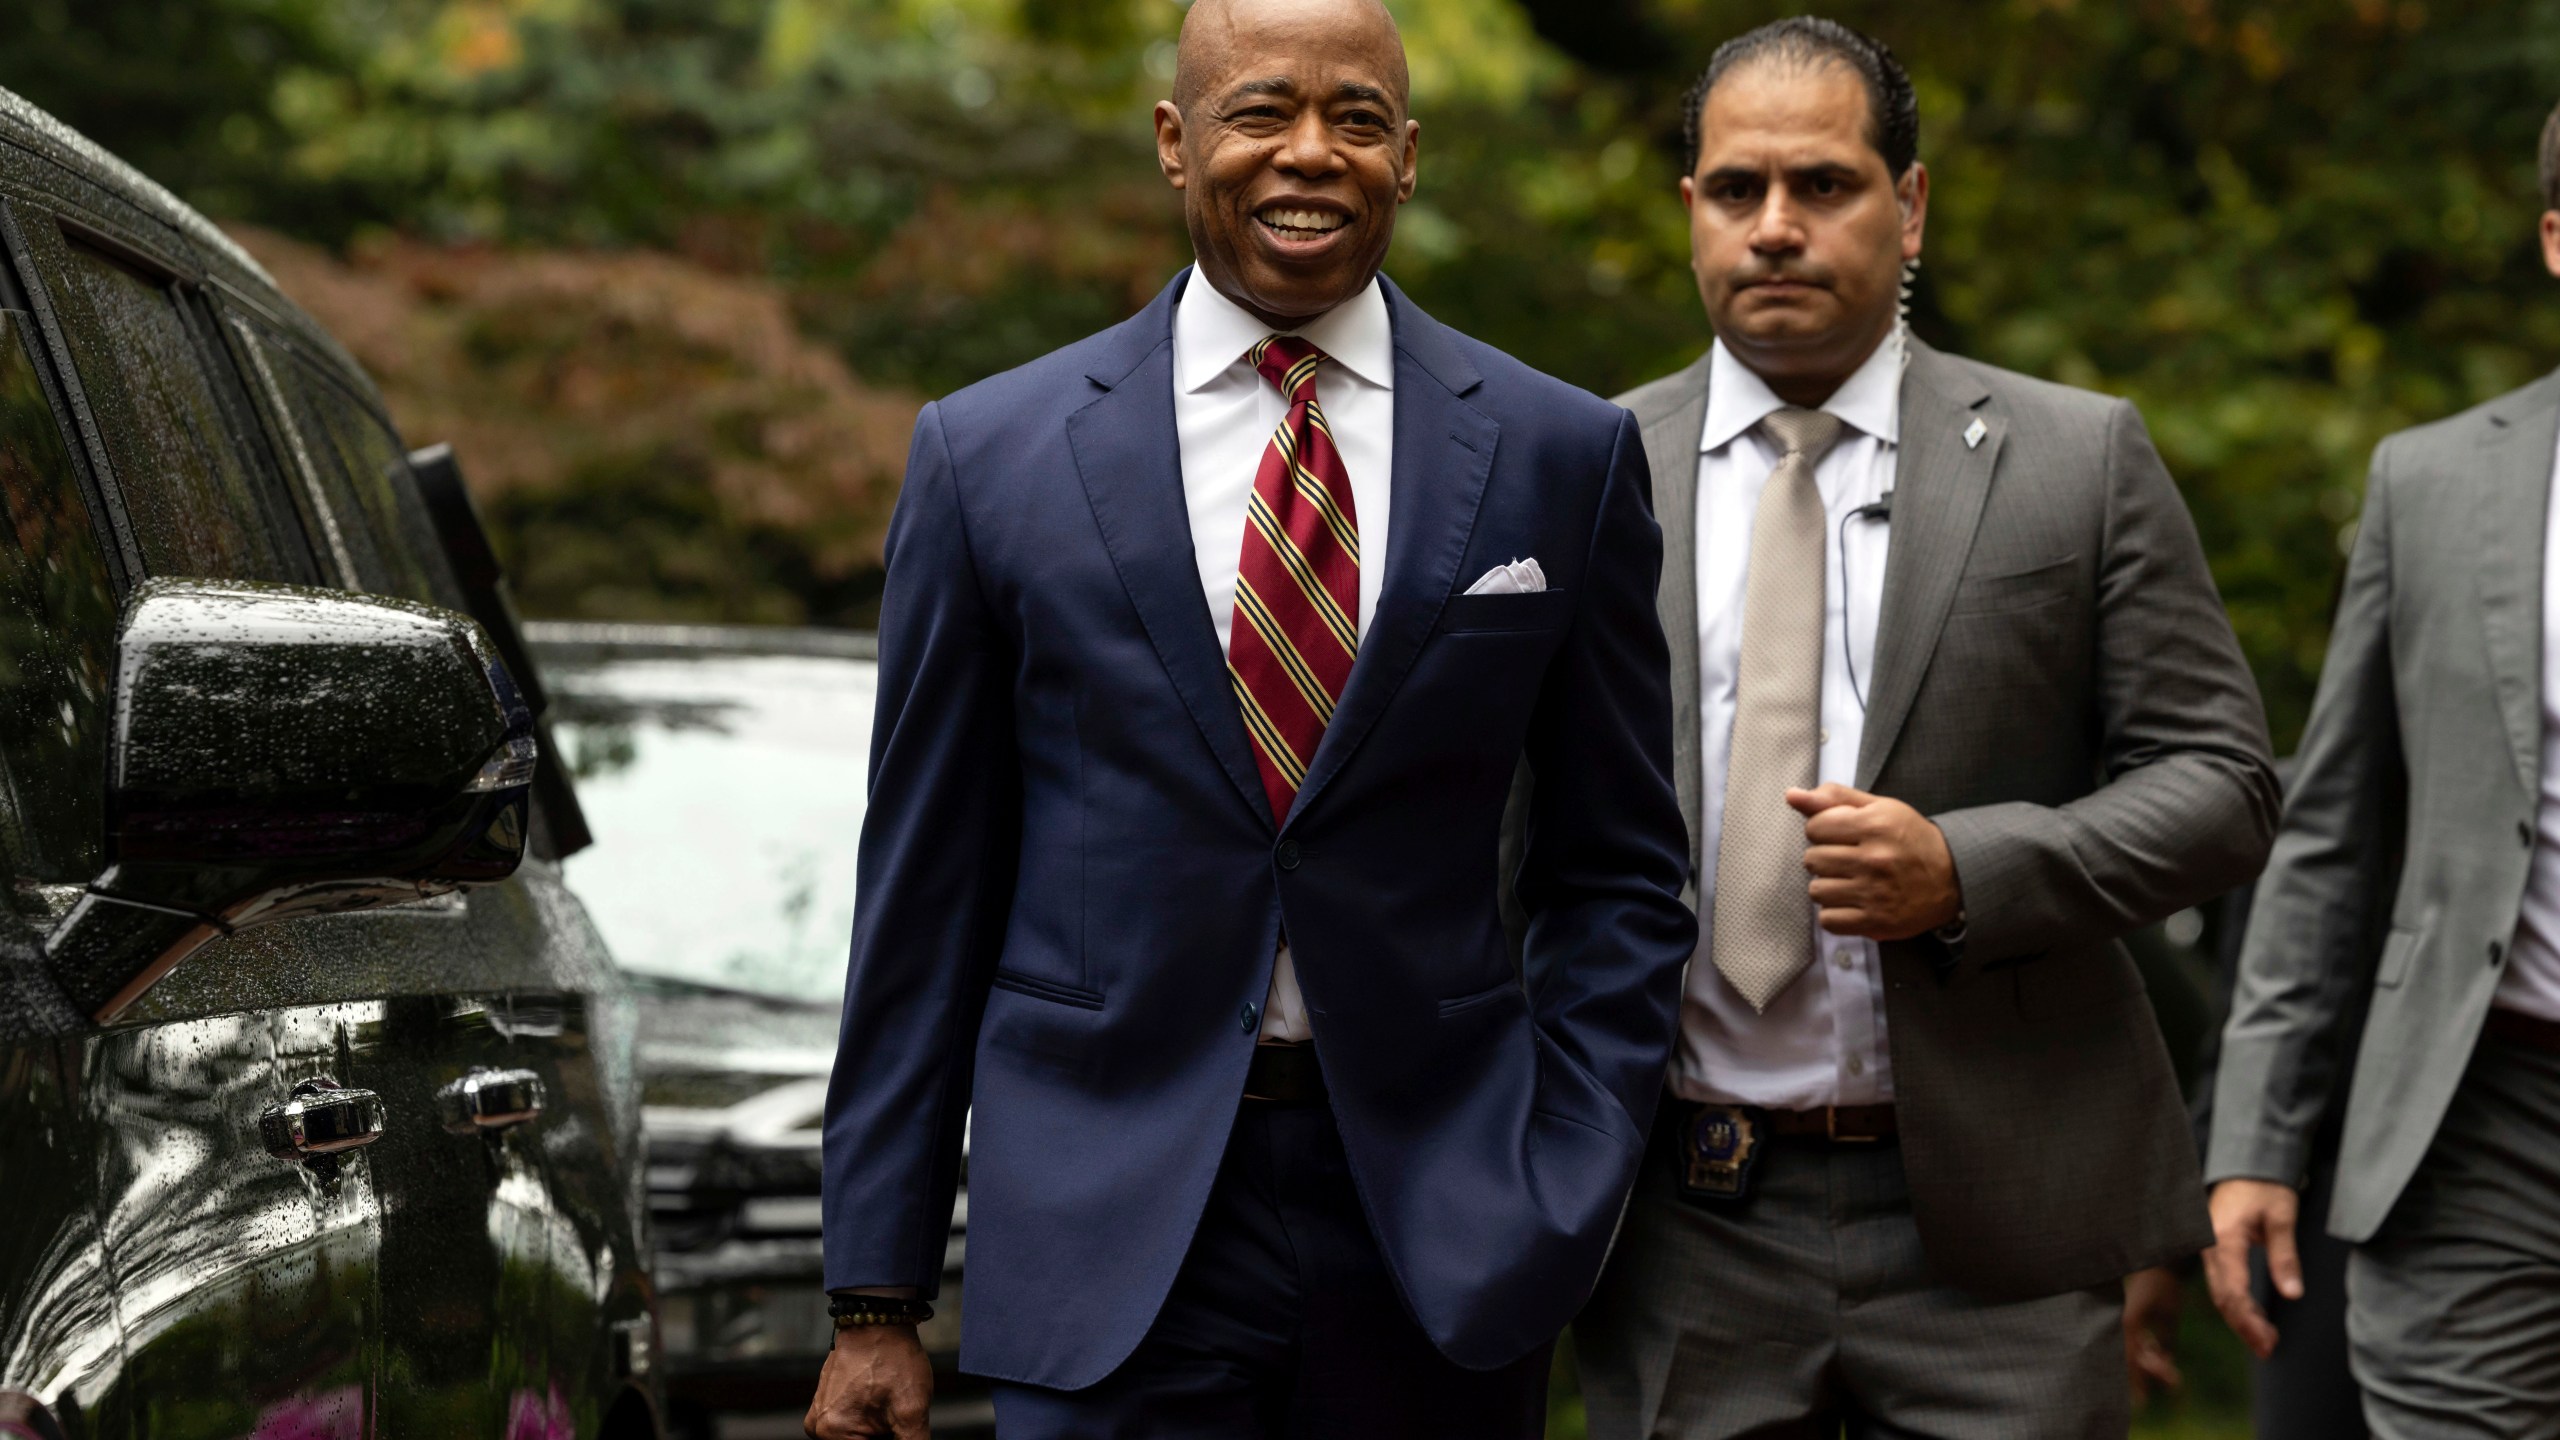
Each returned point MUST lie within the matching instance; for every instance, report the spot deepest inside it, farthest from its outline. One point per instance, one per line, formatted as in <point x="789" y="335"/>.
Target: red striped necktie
<point x="1297" y="621"/>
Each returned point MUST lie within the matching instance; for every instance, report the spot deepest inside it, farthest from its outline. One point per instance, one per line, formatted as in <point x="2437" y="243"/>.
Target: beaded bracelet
<point x="853" y="1311"/>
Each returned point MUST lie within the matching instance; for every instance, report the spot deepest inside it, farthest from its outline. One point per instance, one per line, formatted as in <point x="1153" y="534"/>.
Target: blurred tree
<point x="1617" y="37"/>
<point x="2283" y="226"/>
<point x="179" y="88"/>
<point x="2283" y="229"/>
<point x="650" y="440"/>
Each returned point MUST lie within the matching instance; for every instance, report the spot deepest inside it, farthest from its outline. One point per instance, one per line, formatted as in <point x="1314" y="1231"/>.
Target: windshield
<point x="725" y="791"/>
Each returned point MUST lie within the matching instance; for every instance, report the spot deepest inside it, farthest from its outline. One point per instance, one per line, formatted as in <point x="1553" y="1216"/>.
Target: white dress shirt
<point x="1821" y="1041"/>
<point x="1224" y="413"/>
<point x="2532" y="982"/>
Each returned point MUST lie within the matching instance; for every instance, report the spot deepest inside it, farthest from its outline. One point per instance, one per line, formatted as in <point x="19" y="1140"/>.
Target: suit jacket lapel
<point x="1940" y="483"/>
<point x="1671" y="452"/>
<point x="1443" y="455"/>
<point x="2510" y="508"/>
<point x="1130" y="459"/>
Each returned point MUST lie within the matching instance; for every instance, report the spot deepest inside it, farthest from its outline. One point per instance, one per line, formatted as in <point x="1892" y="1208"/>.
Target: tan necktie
<point x="1764" y="926"/>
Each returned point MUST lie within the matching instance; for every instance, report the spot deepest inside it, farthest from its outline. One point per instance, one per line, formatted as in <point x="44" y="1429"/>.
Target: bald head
<point x="1214" y="30"/>
<point x="1288" y="138"/>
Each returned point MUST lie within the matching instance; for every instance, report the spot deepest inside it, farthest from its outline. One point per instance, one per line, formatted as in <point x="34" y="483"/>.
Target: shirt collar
<point x="1212" y="332"/>
<point x="1870" y="400"/>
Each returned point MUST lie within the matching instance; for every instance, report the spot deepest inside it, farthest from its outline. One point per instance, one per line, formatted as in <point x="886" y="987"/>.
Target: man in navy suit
<point x="1210" y="647"/>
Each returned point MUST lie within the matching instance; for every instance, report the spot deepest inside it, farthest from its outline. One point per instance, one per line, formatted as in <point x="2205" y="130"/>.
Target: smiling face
<point x="1797" y="232"/>
<point x="1289" y="141"/>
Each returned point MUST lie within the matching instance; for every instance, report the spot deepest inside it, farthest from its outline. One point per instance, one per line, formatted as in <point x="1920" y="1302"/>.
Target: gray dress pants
<point x="2453" y="1309"/>
<point x="1807" y="1310"/>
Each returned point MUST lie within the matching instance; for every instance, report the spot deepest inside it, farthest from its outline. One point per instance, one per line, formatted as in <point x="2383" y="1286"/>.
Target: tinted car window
<point x="369" y="499"/>
<point x="196" y="506"/>
<point x="57" y="633"/>
<point x="726" y="793"/>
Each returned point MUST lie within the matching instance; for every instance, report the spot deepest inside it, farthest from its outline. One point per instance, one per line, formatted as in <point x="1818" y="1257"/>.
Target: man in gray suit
<point x="2430" y="772"/>
<point x="1943" y="637"/>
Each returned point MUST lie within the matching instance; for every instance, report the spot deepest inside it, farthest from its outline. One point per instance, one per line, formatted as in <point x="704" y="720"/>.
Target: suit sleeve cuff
<point x="1996" y="879"/>
<point x="2261" y="1156"/>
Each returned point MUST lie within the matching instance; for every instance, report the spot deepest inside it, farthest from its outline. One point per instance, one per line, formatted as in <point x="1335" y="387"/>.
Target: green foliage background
<point x="2284" y="228"/>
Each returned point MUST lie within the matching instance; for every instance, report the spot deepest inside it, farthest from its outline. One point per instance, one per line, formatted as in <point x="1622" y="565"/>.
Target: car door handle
<point x="490" y="1100"/>
<point x="320" y="1121"/>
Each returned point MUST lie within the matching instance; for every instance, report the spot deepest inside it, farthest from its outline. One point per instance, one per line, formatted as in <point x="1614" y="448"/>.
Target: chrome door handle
<point x="321" y="1121"/>
<point x="490" y="1100"/>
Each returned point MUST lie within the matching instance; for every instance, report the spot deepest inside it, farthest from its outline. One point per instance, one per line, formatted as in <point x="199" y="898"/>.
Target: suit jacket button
<point x="2524" y="832"/>
<point x="1246" y="1017"/>
<point x="1288" y="854"/>
<point x="2495" y="952"/>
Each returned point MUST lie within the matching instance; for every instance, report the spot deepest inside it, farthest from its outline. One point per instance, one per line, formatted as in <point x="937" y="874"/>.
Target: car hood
<point x="733" y="1088"/>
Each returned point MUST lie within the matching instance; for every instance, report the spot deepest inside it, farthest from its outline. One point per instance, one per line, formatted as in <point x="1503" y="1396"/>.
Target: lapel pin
<point x="1974" y="432"/>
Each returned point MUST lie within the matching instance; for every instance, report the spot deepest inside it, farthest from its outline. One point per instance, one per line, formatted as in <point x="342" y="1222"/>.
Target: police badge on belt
<point x="1719" y="1146"/>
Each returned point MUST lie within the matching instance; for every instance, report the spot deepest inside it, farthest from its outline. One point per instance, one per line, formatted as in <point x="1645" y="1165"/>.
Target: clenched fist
<point x="1881" y="870"/>
<point x="877" y="1385"/>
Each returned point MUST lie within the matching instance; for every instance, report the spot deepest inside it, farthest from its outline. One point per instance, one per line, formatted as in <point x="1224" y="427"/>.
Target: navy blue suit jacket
<point x="1071" y="888"/>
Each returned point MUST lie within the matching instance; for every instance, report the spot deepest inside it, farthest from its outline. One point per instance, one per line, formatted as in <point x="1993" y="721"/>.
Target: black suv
<point x="318" y="1110"/>
<point x="726" y="770"/>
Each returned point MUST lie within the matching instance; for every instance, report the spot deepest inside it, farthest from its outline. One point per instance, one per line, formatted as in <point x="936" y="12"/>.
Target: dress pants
<point x="1284" y="1323"/>
<point x="1806" y="1310"/>
<point x="2305" y="1391"/>
<point x="2453" y="1308"/>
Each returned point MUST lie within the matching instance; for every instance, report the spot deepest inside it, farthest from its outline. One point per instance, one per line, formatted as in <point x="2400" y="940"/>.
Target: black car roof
<point x="24" y="124"/>
<point x="144" y="213"/>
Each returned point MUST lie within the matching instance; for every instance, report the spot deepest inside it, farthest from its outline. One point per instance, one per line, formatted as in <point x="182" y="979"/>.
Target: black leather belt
<point x="1283" y="1074"/>
<point x="2517" y="1028"/>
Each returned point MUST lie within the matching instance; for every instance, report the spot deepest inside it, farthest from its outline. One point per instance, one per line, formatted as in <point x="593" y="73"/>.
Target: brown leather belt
<point x="1284" y="1074"/>
<point x="2517" y="1028"/>
<point x="1839" y="1124"/>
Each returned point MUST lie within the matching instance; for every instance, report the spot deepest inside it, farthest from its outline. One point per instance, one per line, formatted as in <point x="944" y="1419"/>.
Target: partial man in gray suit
<point x="2430" y="772"/>
<point x="1957" y="706"/>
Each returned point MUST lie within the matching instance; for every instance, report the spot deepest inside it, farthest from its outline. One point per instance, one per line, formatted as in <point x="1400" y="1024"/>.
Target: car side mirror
<point x="277" y="752"/>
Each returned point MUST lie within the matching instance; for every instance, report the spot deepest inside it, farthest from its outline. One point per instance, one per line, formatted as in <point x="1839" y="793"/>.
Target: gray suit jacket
<point x="2057" y="686"/>
<point x="2420" y="772"/>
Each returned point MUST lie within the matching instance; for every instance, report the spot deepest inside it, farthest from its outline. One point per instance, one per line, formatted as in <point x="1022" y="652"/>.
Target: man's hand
<point x="877" y="1385"/>
<point x="2150" y="1332"/>
<point x="1881" y="870"/>
<point x="2247" y="1213"/>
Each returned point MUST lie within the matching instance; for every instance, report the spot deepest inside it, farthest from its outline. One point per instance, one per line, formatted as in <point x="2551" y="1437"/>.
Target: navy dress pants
<point x="1283" y="1323"/>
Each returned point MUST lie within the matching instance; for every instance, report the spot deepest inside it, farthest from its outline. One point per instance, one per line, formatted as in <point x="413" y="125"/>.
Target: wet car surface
<point x="319" y="1098"/>
<point x="723" y="771"/>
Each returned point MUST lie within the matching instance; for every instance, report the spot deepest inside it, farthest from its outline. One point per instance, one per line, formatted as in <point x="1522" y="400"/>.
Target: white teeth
<point x="1316" y="220"/>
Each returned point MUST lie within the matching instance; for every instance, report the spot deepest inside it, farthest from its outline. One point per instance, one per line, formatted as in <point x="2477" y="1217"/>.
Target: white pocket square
<point x="1520" y="577"/>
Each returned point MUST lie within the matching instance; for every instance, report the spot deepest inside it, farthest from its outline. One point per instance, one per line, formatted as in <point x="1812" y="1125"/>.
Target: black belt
<point x="1284" y="1074"/>
<point x="1714" y="1150"/>
<point x="2517" y="1028"/>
